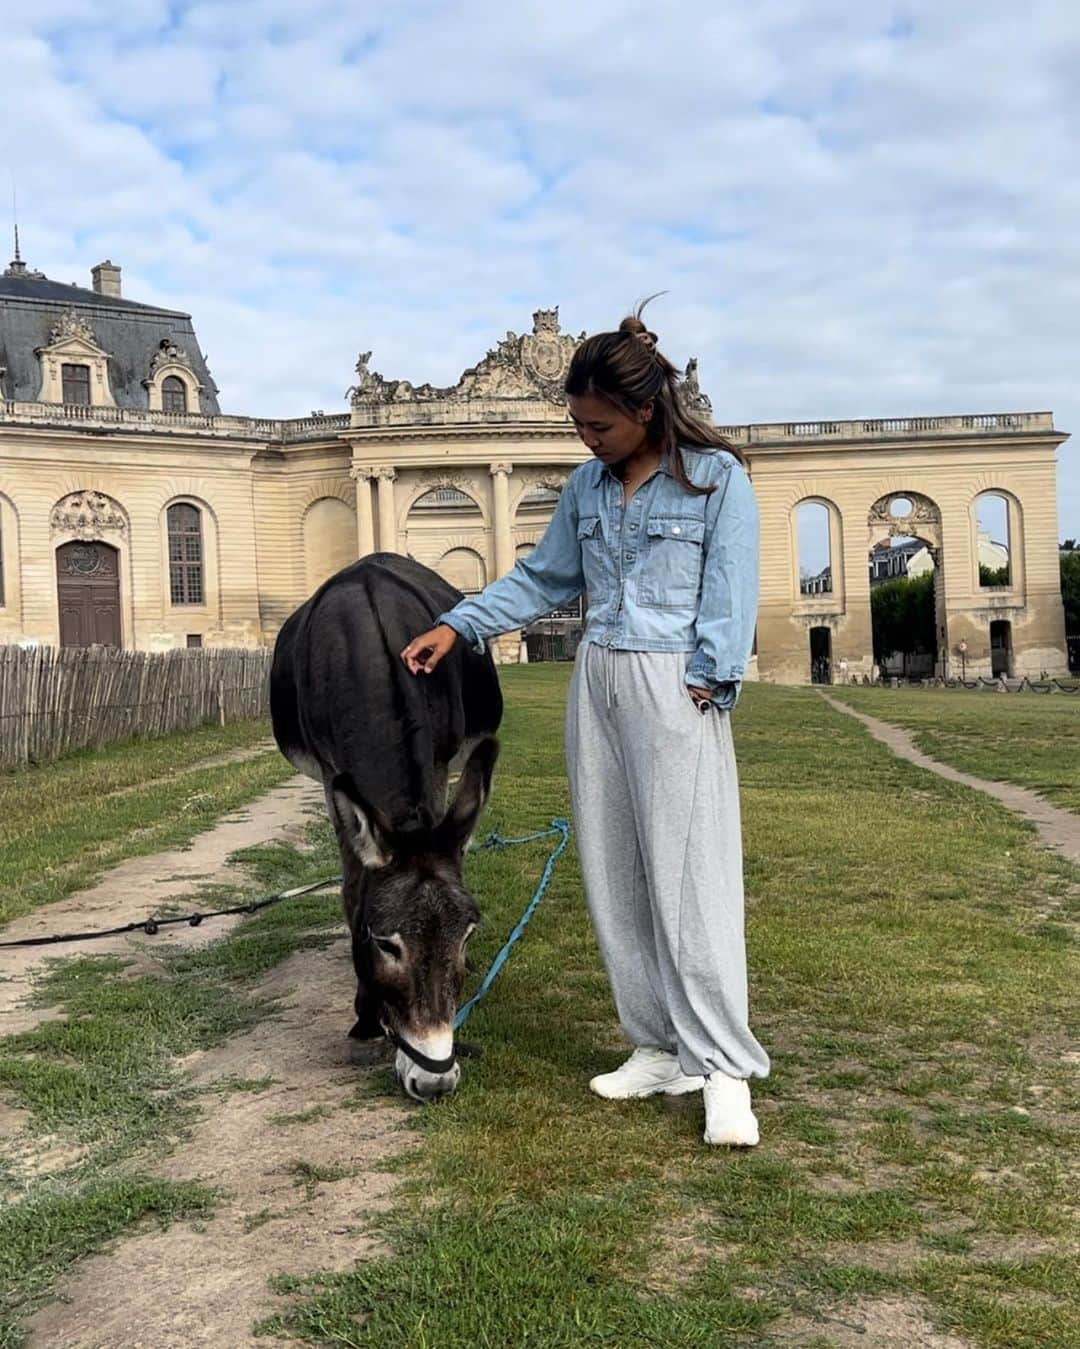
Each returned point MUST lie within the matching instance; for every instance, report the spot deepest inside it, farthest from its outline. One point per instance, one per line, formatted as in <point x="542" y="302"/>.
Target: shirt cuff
<point x="725" y="693"/>
<point x="464" y="629"/>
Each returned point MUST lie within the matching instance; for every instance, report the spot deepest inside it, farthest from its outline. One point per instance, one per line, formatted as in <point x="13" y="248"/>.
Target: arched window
<point x="993" y="541"/>
<point x="815" y="557"/>
<point x="185" y="554"/>
<point x="75" y="383"/>
<point x="173" y="394"/>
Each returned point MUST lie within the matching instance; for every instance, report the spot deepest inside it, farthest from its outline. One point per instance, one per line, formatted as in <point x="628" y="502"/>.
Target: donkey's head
<point x="411" y="918"/>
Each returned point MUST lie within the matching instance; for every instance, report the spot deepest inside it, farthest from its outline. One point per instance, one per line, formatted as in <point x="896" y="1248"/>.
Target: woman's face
<point x="610" y="434"/>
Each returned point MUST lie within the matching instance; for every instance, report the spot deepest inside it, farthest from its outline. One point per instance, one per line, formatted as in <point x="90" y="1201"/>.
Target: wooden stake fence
<point x="55" y="700"/>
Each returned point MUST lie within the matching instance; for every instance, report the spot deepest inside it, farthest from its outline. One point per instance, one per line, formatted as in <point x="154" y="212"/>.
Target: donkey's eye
<point x="390" y="948"/>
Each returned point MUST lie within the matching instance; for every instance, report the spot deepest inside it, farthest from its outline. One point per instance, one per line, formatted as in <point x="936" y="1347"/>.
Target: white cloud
<point x="857" y="210"/>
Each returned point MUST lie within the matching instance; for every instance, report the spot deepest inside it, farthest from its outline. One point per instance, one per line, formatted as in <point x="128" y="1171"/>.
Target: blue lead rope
<point x="560" y="827"/>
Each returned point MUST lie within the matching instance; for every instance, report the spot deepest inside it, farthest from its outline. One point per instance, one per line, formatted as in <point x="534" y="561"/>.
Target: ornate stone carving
<point x="88" y="515"/>
<point x="690" y="393"/>
<point x="386" y="474"/>
<point x="68" y="326"/>
<point x="546" y="353"/>
<point x="552" y="478"/>
<point x="502" y="466"/>
<point x="361" y="471"/>
<point x="168" y="353"/>
<point x="439" y="477"/>
<point x="533" y="367"/>
<point x="88" y="559"/>
<point x="923" y="513"/>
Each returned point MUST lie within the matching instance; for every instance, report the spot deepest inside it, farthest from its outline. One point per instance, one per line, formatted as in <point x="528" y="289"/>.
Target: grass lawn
<point x="1030" y="739"/>
<point x="62" y="824"/>
<point x="913" y="973"/>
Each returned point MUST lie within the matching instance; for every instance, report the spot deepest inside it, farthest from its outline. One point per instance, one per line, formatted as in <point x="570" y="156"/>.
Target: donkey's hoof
<point x="368" y="1052"/>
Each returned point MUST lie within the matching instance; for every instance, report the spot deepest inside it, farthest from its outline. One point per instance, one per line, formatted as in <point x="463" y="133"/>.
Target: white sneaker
<point x="729" y="1121"/>
<point x="645" y="1073"/>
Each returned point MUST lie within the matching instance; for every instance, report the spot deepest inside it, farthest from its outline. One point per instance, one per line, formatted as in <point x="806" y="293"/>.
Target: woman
<point x="661" y="529"/>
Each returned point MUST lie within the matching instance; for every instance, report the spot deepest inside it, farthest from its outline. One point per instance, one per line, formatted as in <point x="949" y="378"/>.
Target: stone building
<point x="134" y="513"/>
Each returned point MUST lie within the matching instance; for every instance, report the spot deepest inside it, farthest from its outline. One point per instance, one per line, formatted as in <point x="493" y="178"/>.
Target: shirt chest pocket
<point x="671" y="570"/>
<point x="594" y="559"/>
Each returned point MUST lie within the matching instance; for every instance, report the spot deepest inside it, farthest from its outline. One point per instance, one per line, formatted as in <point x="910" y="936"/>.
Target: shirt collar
<point x="663" y="467"/>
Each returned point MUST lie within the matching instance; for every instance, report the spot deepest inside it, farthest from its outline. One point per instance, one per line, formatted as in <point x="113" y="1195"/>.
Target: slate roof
<point x="130" y="332"/>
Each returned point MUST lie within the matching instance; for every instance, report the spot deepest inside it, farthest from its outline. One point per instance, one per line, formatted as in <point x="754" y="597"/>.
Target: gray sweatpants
<point x="655" y="797"/>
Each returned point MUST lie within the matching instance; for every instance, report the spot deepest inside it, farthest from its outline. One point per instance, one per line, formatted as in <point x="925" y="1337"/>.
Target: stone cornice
<point x="771" y="438"/>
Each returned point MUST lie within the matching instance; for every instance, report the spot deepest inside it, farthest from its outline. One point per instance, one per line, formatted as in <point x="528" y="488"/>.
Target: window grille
<point x="185" y="555"/>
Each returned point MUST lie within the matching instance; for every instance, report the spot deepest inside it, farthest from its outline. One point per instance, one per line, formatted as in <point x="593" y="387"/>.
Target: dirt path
<point x="140" y="887"/>
<point x="206" y="1284"/>
<point x="296" y="1159"/>
<point x="1058" y="829"/>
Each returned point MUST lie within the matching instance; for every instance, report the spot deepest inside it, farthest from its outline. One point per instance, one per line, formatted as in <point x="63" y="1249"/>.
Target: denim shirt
<point x="669" y="571"/>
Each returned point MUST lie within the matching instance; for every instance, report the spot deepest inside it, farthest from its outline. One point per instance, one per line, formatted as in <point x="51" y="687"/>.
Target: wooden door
<point x="88" y="588"/>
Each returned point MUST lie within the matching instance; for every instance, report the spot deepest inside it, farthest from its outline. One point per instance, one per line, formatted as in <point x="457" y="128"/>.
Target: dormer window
<point x="171" y="385"/>
<point x="74" y="368"/>
<point x="173" y="394"/>
<point x="75" y="381"/>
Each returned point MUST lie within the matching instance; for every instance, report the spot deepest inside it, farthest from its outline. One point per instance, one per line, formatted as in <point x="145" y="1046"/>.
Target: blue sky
<point x="857" y="209"/>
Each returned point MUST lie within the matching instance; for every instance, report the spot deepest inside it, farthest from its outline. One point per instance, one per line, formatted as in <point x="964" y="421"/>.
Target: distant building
<point x="819" y="584"/>
<point x="893" y="562"/>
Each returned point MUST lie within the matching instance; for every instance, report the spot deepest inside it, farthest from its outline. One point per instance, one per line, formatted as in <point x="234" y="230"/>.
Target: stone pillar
<point x="504" y="539"/>
<point x="365" y="518"/>
<point x="507" y="648"/>
<point x="387" y="522"/>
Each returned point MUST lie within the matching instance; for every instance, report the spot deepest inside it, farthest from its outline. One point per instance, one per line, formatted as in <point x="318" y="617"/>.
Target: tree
<point x="1070" y="591"/>
<point x="993" y="576"/>
<point x="902" y="612"/>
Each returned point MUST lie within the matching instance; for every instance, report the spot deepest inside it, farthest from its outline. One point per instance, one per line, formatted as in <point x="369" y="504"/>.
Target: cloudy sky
<point x="858" y="208"/>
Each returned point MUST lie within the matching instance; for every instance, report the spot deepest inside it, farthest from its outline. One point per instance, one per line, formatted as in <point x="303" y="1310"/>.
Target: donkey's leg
<point x="368" y="1044"/>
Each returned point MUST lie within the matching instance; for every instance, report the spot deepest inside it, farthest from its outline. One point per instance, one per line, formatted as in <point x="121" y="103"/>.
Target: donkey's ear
<point x="359" y="827"/>
<point x="472" y="792"/>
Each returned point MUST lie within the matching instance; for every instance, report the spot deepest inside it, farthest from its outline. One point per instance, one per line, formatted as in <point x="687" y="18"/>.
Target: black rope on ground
<point x="151" y="926"/>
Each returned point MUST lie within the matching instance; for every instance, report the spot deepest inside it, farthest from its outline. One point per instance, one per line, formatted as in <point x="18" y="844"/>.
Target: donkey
<point x="383" y="743"/>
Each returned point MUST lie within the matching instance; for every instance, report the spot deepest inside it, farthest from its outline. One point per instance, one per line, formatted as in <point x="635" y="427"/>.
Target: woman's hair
<point x="627" y="369"/>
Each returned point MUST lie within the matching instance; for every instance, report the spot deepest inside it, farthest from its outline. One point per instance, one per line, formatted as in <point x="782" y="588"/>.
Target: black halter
<point x="436" y="1066"/>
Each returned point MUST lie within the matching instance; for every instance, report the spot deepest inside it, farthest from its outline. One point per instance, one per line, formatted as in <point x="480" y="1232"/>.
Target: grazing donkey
<point x="383" y="742"/>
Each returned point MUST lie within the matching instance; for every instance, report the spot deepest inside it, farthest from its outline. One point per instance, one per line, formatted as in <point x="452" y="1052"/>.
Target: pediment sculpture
<point x="532" y="366"/>
<point x="87" y="515"/>
<point x="169" y="353"/>
<point x="70" y="327"/>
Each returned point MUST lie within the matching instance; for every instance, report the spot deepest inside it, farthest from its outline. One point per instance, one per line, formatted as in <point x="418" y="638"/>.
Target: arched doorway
<point x="88" y="591"/>
<point x="820" y="655"/>
<point x="907" y="592"/>
<point x="1001" y="648"/>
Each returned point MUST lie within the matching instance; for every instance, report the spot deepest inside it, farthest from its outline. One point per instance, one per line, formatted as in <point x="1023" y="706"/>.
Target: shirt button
<point x="633" y="529"/>
<point x="629" y="556"/>
<point x="676" y="530"/>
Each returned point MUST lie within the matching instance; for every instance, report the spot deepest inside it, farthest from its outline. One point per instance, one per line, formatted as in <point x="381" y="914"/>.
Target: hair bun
<point x="632" y="324"/>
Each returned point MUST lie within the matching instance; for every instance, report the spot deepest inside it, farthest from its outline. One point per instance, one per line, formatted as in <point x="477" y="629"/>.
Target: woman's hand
<point x="424" y="652"/>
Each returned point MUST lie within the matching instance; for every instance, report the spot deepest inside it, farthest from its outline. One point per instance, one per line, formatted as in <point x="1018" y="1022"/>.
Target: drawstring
<point x="611" y="677"/>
